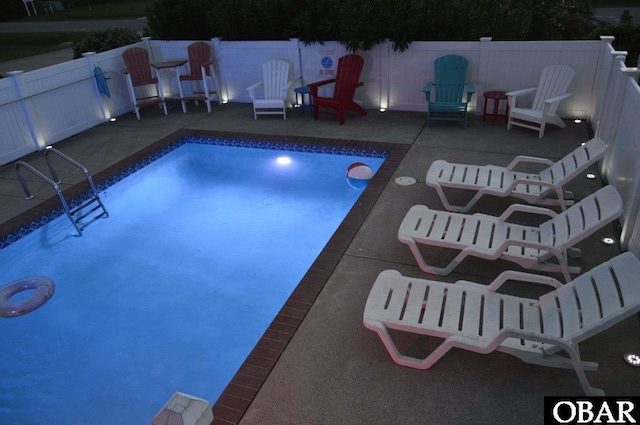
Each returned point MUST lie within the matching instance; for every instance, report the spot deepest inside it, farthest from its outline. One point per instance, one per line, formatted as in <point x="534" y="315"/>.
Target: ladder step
<point x="85" y="205"/>
<point x="88" y="213"/>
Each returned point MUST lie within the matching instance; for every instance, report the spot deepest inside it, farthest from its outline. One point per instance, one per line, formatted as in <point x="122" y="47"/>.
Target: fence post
<point x="91" y="63"/>
<point x="217" y="51"/>
<point x="384" y="75"/>
<point x="23" y="94"/>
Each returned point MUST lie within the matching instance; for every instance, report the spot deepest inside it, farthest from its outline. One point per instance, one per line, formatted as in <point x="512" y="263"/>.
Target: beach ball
<point x="359" y="175"/>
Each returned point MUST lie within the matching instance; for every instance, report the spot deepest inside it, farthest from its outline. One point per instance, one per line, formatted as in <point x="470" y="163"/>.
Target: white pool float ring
<point x="44" y="289"/>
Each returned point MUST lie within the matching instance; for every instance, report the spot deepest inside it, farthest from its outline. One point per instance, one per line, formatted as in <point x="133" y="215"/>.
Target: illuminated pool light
<point x="283" y="160"/>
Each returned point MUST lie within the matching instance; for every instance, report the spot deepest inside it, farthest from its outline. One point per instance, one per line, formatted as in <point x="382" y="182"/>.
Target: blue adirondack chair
<point x="450" y="74"/>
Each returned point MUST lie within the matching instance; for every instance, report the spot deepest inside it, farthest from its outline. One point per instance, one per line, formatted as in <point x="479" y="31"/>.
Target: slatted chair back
<point x="450" y="74"/>
<point x="554" y="81"/>
<point x="136" y="60"/>
<point x="199" y="56"/>
<point x="347" y="76"/>
<point x="275" y="75"/>
<point x="582" y="219"/>
<point x="574" y="163"/>
<point x="593" y="301"/>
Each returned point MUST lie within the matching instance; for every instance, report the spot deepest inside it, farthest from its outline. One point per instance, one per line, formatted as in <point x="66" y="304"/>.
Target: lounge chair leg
<point x="408" y="361"/>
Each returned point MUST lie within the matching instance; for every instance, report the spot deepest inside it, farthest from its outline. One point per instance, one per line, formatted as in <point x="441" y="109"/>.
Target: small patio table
<point x="496" y="96"/>
<point x="172" y="65"/>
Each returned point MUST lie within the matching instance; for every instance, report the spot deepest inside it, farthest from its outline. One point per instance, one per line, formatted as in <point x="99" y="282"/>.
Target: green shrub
<point x="104" y="40"/>
<point x="181" y="20"/>
<point x="627" y="37"/>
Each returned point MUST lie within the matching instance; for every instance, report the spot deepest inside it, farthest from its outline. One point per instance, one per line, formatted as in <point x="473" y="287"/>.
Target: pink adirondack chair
<point x="138" y="74"/>
<point x="346" y="82"/>
<point x="201" y="77"/>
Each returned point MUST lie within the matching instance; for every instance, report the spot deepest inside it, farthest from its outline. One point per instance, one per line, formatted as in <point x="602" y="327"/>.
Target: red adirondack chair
<point x="346" y="82"/>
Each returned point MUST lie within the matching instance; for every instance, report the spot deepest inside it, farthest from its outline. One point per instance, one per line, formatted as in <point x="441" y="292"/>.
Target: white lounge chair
<point x="276" y="85"/>
<point x="551" y="90"/>
<point x="475" y="317"/>
<point x="543" y="188"/>
<point x="492" y="238"/>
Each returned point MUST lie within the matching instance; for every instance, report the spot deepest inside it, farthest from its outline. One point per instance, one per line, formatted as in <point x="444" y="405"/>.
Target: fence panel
<point x="15" y="137"/>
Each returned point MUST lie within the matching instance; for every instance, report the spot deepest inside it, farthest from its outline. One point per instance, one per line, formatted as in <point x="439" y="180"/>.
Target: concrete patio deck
<point x="334" y="370"/>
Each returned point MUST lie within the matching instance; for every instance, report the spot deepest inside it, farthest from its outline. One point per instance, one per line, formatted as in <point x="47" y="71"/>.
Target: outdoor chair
<point x="551" y="90"/>
<point x="475" y="317"/>
<point x="451" y="91"/>
<point x="140" y="78"/>
<point x="276" y="84"/>
<point x="543" y="188"/>
<point x="545" y="247"/>
<point x="345" y="85"/>
<point x="201" y="77"/>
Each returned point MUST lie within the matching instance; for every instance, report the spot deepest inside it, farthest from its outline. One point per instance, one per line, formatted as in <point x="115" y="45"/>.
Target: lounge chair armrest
<point x="252" y="89"/>
<point x="558" y="98"/>
<point x="532" y="159"/>
<point x="522" y="277"/>
<point x="530" y="209"/>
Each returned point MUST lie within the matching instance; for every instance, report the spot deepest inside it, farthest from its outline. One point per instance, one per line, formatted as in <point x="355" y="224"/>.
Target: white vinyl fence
<point x="42" y="107"/>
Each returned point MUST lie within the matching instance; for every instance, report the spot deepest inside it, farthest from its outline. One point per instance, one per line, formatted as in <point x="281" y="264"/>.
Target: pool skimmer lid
<point x="405" y="181"/>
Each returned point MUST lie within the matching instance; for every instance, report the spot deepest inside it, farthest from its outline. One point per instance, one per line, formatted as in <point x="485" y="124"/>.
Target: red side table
<point x="496" y="96"/>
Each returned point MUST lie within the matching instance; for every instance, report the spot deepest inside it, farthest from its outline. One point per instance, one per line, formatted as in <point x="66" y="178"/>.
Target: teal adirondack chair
<point x="450" y="74"/>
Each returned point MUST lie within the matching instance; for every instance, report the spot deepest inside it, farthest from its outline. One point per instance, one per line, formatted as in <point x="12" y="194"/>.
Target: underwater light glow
<point x="283" y="160"/>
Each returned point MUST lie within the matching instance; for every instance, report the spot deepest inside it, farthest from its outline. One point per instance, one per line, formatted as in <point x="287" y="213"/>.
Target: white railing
<point x="42" y="107"/>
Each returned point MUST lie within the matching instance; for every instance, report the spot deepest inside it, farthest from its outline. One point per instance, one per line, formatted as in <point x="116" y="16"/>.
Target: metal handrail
<point x="50" y="149"/>
<point x="28" y="195"/>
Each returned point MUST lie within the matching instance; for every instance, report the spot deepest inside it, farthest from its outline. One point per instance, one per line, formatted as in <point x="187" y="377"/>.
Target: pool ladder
<point x="77" y="215"/>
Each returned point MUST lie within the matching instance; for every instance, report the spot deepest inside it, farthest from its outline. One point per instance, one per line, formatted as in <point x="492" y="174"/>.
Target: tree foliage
<point x="627" y="38"/>
<point x="362" y="24"/>
<point x="103" y="40"/>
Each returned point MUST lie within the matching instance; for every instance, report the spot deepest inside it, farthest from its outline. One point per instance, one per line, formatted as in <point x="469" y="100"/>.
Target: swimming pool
<point x="109" y="345"/>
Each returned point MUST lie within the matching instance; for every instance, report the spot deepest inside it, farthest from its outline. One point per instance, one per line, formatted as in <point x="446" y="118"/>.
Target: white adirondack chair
<point x="551" y="90"/>
<point x="275" y="74"/>
<point x="477" y="318"/>
<point x="546" y="247"/>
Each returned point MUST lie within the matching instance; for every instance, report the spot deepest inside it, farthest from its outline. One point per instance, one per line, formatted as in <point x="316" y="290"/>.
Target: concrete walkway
<point x="334" y="370"/>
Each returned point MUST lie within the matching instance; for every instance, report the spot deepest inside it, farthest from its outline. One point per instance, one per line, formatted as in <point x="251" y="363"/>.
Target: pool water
<point x="172" y="291"/>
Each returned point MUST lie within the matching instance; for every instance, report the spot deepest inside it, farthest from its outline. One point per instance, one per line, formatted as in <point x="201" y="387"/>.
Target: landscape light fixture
<point x="632" y="359"/>
<point x="591" y="176"/>
<point x="577" y="121"/>
<point x="113" y="119"/>
<point x="383" y="109"/>
<point x="608" y="241"/>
